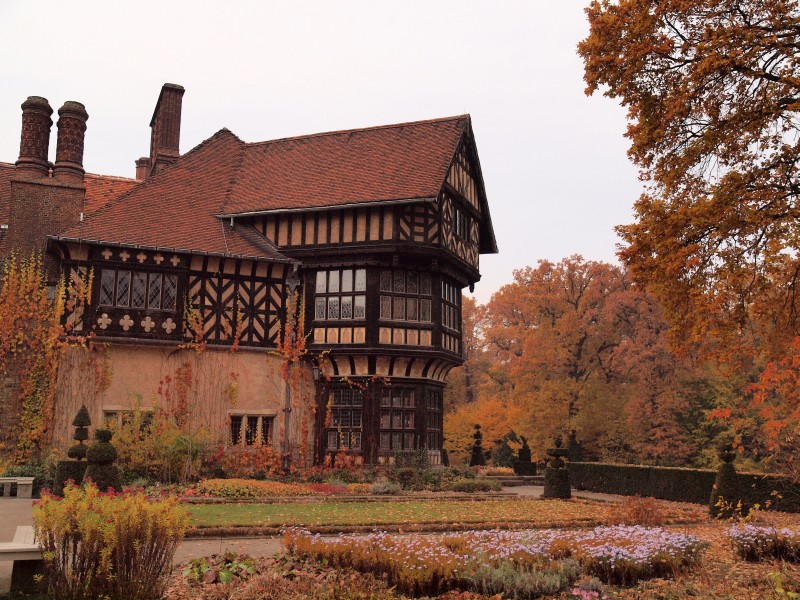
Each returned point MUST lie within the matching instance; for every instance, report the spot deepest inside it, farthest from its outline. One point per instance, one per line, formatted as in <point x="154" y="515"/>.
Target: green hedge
<point x="679" y="484"/>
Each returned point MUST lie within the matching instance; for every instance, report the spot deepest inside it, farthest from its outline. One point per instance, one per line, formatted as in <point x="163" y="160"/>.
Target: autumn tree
<point x="712" y="91"/>
<point x="30" y="346"/>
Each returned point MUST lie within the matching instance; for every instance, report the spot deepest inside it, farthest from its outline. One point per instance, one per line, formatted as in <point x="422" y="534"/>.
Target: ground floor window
<point x="346" y="405"/>
<point x="434" y="420"/>
<point x="398" y="418"/>
<point x="384" y="419"/>
<point x="115" y="418"/>
<point x="251" y="429"/>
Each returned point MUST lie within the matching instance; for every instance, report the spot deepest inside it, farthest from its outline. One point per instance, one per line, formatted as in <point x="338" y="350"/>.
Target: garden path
<point x="536" y="491"/>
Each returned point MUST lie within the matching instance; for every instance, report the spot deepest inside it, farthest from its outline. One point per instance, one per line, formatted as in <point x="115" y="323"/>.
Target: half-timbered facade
<point x="359" y="241"/>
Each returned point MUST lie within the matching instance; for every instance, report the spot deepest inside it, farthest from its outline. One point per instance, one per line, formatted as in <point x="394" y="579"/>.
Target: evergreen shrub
<point x="682" y="484"/>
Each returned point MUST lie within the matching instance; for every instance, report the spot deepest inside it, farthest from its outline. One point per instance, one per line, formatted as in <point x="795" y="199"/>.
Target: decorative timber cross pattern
<point x="141" y="257"/>
<point x="107" y="254"/>
<point x="158" y="258"/>
<point x="148" y="324"/>
<point x="169" y="325"/>
<point x="175" y="260"/>
<point x="124" y="255"/>
<point x="126" y="322"/>
<point x="104" y="321"/>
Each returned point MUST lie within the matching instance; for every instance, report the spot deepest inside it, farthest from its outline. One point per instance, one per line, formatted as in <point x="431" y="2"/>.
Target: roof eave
<point x="71" y="240"/>
<point x="275" y="211"/>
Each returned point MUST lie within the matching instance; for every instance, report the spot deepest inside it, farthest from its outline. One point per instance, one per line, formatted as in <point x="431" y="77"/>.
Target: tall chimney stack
<point x="69" y="146"/>
<point x="166" y="128"/>
<point x="35" y="139"/>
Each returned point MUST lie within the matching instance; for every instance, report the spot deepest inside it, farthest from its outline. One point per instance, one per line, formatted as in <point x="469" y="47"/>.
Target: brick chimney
<point x="35" y="138"/>
<point x="166" y="128"/>
<point x="69" y="146"/>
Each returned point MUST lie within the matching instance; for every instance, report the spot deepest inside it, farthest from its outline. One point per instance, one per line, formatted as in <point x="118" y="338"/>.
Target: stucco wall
<point x="214" y="383"/>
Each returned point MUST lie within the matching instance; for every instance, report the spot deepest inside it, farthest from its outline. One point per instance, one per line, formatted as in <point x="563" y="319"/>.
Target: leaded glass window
<point x="406" y="296"/>
<point x="345" y="430"/>
<point x="123" y="288"/>
<point x="139" y="290"/>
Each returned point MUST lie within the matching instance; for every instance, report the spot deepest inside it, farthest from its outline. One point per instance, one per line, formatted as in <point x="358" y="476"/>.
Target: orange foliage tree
<point x="575" y="344"/>
<point x="712" y="93"/>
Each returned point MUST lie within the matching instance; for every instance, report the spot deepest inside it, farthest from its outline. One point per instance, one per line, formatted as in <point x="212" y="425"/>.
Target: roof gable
<point x="466" y="178"/>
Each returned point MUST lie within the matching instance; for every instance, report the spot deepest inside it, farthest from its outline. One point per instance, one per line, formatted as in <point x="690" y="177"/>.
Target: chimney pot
<point x="142" y="168"/>
<point x="69" y="146"/>
<point x="35" y="138"/>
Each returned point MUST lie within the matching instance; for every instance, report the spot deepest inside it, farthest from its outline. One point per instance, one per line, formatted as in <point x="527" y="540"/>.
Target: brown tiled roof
<point x="179" y="208"/>
<point x="392" y="162"/>
<point x="176" y="209"/>
<point x="101" y="189"/>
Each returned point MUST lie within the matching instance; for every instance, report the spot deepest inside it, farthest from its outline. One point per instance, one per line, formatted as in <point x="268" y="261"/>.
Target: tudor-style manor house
<point x="372" y="233"/>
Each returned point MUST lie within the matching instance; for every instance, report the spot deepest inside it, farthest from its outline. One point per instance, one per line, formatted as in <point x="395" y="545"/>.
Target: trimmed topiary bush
<point x="74" y="470"/>
<point x="101" y="456"/>
<point x="556" y="475"/>
<point x="478" y="458"/>
<point x="81" y="423"/>
<point x="724" y="497"/>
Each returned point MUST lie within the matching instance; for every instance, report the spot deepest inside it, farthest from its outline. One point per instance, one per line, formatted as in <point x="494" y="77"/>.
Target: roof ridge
<point x="358" y="129"/>
<point x="112" y="177"/>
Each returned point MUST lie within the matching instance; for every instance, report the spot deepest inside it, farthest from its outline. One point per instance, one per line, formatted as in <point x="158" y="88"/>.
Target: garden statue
<point x="523" y="465"/>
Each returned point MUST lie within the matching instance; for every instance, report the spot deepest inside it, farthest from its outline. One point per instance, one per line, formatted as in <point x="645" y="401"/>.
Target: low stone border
<point x="257" y="532"/>
<point x="457" y="496"/>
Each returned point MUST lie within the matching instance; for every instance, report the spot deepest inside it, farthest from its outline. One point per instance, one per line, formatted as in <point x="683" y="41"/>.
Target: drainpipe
<point x="293" y="282"/>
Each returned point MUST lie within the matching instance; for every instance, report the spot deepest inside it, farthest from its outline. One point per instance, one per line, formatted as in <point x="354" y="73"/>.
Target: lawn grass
<point x="531" y="512"/>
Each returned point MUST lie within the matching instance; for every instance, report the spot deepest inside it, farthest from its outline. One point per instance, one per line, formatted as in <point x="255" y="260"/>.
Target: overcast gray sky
<point x="554" y="161"/>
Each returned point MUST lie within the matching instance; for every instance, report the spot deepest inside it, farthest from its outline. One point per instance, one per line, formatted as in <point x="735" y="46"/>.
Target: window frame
<point x="243" y="417"/>
<point x="111" y="299"/>
<point x="336" y="430"/>
<point x="328" y="297"/>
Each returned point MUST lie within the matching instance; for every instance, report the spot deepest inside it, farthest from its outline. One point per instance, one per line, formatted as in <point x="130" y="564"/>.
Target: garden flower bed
<point x="763" y="542"/>
<point x="539" y="562"/>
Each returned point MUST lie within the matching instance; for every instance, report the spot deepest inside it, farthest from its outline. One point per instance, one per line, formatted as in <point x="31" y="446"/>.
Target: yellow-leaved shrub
<point x="106" y="544"/>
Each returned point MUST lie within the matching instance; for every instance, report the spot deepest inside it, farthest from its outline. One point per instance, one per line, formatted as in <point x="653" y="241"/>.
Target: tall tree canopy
<point x="570" y="345"/>
<point x="713" y="91"/>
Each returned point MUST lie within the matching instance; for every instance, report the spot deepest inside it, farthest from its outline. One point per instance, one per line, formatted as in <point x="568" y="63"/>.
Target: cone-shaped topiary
<point x="101" y="456"/>
<point x="478" y="458"/>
